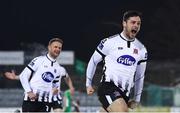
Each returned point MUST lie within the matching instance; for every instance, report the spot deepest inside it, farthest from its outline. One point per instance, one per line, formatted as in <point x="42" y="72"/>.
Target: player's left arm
<point x="139" y="80"/>
<point x="69" y="83"/>
<point x="11" y="75"/>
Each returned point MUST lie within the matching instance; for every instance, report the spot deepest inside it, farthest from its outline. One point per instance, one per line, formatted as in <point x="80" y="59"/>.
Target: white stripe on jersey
<point x="41" y="97"/>
<point x="108" y="99"/>
<point x="57" y="97"/>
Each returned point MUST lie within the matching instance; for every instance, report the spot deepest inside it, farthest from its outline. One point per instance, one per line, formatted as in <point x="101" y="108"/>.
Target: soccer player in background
<point x="124" y="58"/>
<point x="41" y="80"/>
<point x="57" y="100"/>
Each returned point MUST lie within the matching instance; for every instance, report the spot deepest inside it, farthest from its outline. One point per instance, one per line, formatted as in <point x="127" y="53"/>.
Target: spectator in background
<point x="69" y="102"/>
<point x="124" y="58"/>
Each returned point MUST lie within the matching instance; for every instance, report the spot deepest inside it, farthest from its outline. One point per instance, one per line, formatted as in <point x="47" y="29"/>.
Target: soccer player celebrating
<point x="124" y="58"/>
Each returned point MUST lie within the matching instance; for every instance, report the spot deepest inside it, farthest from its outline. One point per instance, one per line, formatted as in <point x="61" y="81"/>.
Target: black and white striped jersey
<point x="124" y="63"/>
<point x="40" y="76"/>
<point x="58" y="97"/>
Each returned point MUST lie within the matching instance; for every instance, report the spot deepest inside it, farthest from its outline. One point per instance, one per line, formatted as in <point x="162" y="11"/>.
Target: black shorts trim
<point x="109" y="92"/>
<point x="35" y="106"/>
<point x="57" y="104"/>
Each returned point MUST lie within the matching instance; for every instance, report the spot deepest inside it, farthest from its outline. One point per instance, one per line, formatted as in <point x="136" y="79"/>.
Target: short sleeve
<point x="35" y="63"/>
<point x="144" y="54"/>
<point x="64" y="72"/>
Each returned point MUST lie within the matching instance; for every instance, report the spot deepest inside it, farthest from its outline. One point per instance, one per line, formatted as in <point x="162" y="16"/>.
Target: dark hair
<point x="131" y="13"/>
<point x="56" y="39"/>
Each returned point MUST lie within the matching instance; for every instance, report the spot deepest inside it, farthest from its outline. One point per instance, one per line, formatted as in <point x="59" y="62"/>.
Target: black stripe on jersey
<point x="103" y="57"/>
<point x="103" y="77"/>
<point x="141" y="61"/>
<point x="30" y="68"/>
<point x="47" y="96"/>
<point x="55" y="81"/>
<point x="128" y="44"/>
<point x="100" y="53"/>
<point x="32" y="71"/>
<point x="43" y="97"/>
<point x="57" y="76"/>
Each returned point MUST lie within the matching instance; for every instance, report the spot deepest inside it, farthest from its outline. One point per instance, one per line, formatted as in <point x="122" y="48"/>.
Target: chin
<point x="133" y="36"/>
<point x="56" y="56"/>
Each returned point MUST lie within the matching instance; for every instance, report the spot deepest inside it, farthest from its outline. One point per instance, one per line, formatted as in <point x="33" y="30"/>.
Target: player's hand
<point x="90" y="90"/>
<point x="55" y="91"/>
<point x="10" y="75"/>
<point x="132" y="104"/>
<point x="32" y="96"/>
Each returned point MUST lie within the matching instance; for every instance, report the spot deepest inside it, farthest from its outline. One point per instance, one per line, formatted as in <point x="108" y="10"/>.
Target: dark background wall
<point x="82" y="24"/>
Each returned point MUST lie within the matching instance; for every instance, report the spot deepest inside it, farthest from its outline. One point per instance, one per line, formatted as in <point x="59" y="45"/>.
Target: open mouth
<point x="134" y="31"/>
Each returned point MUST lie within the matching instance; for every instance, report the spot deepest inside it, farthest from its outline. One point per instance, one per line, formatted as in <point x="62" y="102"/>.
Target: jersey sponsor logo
<point x="120" y="48"/>
<point x="101" y="46"/>
<point x="126" y="60"/>
<point x="47" y="76"/>
<point x="31" y="64"/>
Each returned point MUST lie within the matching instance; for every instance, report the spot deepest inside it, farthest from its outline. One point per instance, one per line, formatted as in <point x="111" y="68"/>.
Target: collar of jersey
<point x="50" y="58"/>
<point x="124" y="38"/>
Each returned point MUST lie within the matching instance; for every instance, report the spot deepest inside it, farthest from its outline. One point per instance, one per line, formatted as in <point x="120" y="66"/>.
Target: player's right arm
<point x="139" y="80"/>
<point x="97" y="57"/>
<point x="25" y="77"/>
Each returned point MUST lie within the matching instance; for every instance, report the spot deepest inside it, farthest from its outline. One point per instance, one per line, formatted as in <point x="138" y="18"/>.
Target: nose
<point x="136" y="24"/>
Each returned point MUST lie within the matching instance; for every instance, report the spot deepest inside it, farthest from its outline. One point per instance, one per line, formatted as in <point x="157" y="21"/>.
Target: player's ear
<point x="49" y="47"/>
<point x="124" y="23"/>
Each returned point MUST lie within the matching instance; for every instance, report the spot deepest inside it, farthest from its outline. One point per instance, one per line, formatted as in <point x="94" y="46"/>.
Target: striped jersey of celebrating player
<point x="40" y="76"/>
<point x="123" y="60"/>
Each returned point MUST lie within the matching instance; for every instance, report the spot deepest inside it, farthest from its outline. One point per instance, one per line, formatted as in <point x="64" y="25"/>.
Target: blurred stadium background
<point x="29" y="26"/>
<point x="161" y="91"/>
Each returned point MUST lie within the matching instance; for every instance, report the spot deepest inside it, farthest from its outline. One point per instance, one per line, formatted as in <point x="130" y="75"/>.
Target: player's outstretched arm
<point x="11" y="75"/>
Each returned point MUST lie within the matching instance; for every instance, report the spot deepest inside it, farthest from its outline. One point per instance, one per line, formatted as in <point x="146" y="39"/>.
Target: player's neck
<point x="50" y="57"/>
<point x="125" y="36"/>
